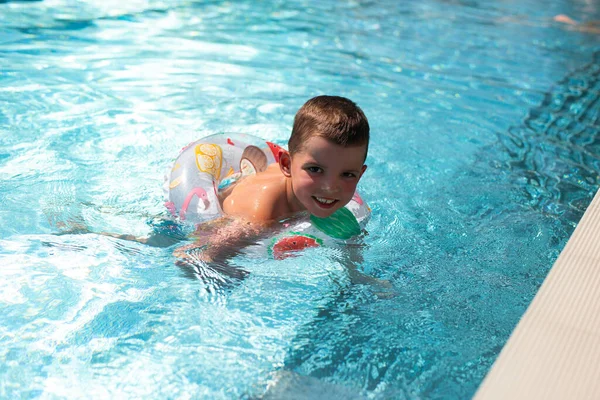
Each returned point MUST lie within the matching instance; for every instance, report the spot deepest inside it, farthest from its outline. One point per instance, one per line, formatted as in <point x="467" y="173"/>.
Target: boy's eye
<point x="349" y="175"/>
<point x="314" y="169"/>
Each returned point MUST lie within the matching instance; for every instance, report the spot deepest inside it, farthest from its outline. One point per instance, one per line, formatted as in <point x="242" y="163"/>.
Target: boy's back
<point x="259" y="198"/>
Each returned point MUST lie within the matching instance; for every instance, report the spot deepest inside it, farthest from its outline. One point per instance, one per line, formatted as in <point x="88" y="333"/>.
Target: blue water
<point x="484" y="155"/>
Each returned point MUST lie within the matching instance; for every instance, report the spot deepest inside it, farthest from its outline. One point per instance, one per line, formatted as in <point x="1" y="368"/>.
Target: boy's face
<point x="324" y="175"/>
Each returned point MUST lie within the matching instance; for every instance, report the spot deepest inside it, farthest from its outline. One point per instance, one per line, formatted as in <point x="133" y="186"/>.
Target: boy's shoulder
<point x="258" y="198"/>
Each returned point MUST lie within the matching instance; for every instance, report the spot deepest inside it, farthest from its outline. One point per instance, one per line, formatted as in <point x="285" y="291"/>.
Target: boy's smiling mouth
<point x="324" y="202"/>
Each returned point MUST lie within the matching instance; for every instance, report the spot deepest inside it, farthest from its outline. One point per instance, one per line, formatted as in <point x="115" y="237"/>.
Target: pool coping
<point x="554" y="351"/>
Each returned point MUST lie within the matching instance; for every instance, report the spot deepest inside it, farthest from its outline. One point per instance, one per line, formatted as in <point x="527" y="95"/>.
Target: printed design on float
<point x="177" y="181"/>
<point x="228" y="181"/>
<point x="171" y="207"/>
<point x="253" y="161"/>
<point x="291" y="243"/>
<point x="276" y="150"/>
<point x="357" y="199"/>
<point x="342" y="224"/>
<point x="209" y="159"/>
<point x="197" y="192"/>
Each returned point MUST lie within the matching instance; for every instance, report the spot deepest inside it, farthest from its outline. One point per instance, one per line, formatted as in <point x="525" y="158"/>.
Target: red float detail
<point x="276" y="150"/>
<point x="285" y="247"/>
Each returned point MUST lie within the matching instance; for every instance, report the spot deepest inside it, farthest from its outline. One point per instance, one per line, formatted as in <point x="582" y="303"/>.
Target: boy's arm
<point x="221" y="239"/>
<point x="154" y="240"/>
<point x="352" y="259"/>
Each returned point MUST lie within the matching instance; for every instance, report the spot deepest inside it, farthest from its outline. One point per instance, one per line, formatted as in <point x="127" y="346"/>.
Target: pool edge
<point x="554" y="350"/>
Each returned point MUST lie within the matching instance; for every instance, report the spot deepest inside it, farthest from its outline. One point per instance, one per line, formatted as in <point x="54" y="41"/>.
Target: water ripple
<point x="97" y="98"/>
<point x="555" y="153"/>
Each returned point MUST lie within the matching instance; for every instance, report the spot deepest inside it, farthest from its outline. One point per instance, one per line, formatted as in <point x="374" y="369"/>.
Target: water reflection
<point x="554" y="155"/>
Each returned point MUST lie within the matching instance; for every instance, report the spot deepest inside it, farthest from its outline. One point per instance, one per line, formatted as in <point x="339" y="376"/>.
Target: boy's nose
<point x="331" y="186"/>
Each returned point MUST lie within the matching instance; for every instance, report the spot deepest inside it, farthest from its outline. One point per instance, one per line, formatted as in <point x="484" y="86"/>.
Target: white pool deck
<point x="554" y="352"/>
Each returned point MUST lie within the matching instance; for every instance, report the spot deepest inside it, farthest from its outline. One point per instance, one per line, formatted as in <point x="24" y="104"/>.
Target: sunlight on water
<point x="483" y="157"/>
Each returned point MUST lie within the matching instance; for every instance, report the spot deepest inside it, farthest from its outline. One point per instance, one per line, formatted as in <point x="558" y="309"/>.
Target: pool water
<point x="484" y="155"/>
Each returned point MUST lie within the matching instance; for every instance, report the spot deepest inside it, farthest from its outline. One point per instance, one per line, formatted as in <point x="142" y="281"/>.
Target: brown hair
<point x="334" y="118"/>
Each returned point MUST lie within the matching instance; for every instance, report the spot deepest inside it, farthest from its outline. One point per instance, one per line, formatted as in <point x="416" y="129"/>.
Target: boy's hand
<point x="193" y="252"/>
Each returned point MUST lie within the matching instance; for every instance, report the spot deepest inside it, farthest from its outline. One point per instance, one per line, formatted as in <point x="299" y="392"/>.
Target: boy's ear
<point x="285" y="163"/>
<point x="364" y="168"/>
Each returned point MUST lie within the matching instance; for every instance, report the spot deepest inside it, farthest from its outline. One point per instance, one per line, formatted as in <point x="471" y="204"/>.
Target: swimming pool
<point x="484" y="156"/>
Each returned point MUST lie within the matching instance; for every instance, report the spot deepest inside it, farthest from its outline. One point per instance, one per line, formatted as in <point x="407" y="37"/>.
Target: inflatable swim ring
<point x="206" y="169"/>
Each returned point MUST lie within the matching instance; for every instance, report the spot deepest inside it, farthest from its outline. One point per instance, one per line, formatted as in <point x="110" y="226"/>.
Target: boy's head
<point x="337" y="119"/>
<point x="327" y="151"/>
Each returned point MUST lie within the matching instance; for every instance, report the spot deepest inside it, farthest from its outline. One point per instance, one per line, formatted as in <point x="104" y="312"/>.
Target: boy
<point x="327" y="150"/>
